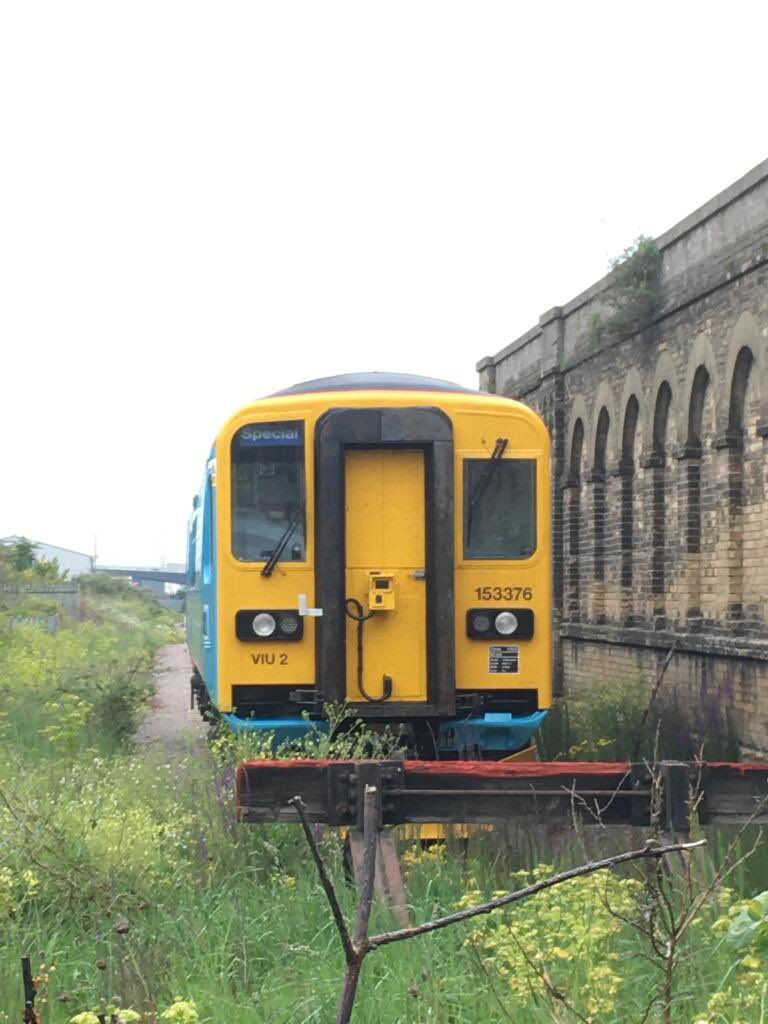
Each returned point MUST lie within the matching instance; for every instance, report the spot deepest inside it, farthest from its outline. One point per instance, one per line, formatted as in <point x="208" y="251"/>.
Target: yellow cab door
<point x="384" y="574"/>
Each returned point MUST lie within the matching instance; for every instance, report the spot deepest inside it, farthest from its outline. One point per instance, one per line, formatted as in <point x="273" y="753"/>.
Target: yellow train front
<point x="381" y="540"/>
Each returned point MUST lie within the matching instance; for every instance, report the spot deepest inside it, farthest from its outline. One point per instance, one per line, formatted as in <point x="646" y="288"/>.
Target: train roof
<point x="373" y="381"/>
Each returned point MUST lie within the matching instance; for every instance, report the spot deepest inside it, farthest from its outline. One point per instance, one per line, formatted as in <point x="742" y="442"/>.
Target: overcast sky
<point x="203" y="202"/>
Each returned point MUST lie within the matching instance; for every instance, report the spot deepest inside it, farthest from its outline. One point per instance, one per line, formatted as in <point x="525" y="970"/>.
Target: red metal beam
<point x="487" y="791"/>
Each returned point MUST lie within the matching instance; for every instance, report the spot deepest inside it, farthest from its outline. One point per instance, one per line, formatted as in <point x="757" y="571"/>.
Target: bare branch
<point x="723" y="872"/>
<point x="361" y="946"/>
<point x="664" y="926"/>
<point x="370" y="835"/>
<point x="325" y="879"/>
<point x="358" y="947"/>
<point x="596" y="812"/>
<point x="648" y="852"/>
<point x="652" y="699"/>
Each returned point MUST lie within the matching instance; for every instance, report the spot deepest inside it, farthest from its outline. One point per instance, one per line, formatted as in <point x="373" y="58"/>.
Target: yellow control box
<point x="381" y="592"/>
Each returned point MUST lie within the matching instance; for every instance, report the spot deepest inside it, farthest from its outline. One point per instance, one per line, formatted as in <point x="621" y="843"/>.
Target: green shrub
<point x="612" y="722"/>
<point x="86" y="686"/>
<point x="634" y="293"/>
<point x="346" y="738"/>
<point x="112" y="586"/>
<point x="567" y="938"/>
<point x="601" y="723"/>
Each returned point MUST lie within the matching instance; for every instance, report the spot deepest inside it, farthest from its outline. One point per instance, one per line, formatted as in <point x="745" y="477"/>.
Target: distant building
<point x="73" y="562"/>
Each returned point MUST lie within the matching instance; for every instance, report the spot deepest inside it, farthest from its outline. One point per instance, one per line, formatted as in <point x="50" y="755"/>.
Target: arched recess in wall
<point x="574" y="522"/>
<point x="604" y="406"/>
<point x="698" y="478"/>
<point x="633" y="387"/>
<point x="699" y="393"/>
<point x="698" y="397"/>
<point x="737" y="442"/>
<point x="599" y="511"/>
<point x="665" y="376"/>
<point x="745" y="439"/>
<point x="741" y="373"/>
<point x="578" y="412"/>
<point x="748" y="335"/>
<point x="627" y="468"/>
<point x="702" y="367"/>
<point x="661" y="419"/>
<point x="658" y="465"/>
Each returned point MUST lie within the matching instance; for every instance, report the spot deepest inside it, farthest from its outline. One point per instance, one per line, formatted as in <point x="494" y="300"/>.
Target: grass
<point x="125" y="876"/>
<point x="612" y="722"/>
<point x="179" y="901"/>
<point x="227" y="914"/>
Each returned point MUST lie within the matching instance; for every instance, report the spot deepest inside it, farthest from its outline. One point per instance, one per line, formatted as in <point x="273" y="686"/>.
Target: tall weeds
<point x="125" y="875"/>
<point x="614" y="722"/>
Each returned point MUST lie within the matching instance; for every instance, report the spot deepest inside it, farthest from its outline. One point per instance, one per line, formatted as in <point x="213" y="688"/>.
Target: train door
<point x="384" y="543"/>
<point x="385" y="575"/>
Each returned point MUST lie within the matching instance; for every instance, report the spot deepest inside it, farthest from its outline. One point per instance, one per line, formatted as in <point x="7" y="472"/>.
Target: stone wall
<point x="661" y="467"/>
<point x="66" y="594"/>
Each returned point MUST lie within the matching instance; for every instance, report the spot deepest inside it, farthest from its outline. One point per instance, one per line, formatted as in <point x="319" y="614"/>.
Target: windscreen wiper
<point x="485" y="478"/>
<point x="274" y="558"/>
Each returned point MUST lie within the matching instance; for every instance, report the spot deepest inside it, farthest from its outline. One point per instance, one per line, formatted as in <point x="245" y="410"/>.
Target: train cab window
<point x="499" y="508"/>
<point x="207" y="540"/>
<point x="199" y="527"/>
<point x="192" y="550"/>
<point x="268" y="507"/>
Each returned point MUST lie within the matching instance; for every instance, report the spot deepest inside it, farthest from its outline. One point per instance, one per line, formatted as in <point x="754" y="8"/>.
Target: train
<point x="379" y="541"/>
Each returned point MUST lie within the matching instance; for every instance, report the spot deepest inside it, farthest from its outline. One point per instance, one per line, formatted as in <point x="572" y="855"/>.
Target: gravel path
<point x="169" y="724"/>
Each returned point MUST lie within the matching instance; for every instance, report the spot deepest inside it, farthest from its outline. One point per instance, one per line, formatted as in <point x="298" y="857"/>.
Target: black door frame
<point x="430" y="430"/>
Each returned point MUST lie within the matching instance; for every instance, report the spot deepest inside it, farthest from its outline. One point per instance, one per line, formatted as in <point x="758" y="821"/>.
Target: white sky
<point x="201" y="203"/>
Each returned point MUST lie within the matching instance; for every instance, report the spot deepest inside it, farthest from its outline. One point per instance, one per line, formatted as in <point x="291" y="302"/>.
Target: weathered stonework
<point x="661" y="467"/>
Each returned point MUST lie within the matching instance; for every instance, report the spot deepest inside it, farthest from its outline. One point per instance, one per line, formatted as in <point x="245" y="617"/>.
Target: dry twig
<point x="362" y="944"/>
<point x="325" y="879"/>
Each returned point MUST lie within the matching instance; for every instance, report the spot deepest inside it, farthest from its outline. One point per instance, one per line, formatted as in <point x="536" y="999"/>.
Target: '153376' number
<point x="504" y="593"/>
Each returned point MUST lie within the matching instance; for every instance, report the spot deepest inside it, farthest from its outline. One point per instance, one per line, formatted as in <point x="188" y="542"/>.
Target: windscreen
<point x="268" y="492"/>
<point x="499" y="508"/>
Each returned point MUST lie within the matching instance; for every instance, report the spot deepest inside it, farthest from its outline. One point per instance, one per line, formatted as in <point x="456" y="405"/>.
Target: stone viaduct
<point x="660" y="466"/>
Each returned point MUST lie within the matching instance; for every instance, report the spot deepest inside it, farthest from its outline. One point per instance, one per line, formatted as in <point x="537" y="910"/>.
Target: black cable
<point x="360" y="617"/>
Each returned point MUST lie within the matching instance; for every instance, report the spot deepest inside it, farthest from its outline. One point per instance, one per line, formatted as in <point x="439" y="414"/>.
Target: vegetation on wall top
<point x="634" y="291"/>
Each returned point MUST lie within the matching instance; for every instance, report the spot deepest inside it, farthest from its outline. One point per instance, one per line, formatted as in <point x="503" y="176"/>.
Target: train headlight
<point x="289" y="624"/>
<point x="481" y="623"/>
<point x="506" y="623"/>
<point x="493" y="623"/>
<point x="263" y="624"/>
<point x="278" y="625"/>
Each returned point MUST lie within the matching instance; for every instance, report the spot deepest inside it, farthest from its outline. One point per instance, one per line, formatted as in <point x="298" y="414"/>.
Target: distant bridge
<point x="141" y="575"/>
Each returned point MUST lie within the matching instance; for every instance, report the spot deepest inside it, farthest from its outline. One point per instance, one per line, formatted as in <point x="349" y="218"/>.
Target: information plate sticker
<point x="503" y="659"/>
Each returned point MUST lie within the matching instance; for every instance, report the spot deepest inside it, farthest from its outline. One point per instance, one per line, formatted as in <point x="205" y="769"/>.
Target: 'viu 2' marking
<point x="269" y="659"/>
